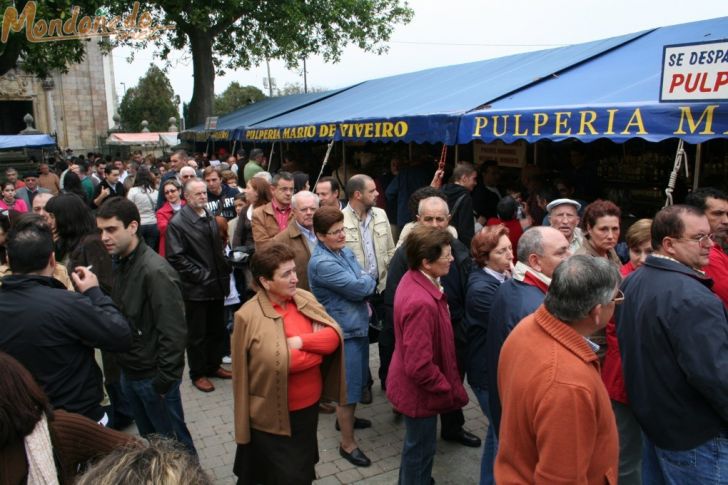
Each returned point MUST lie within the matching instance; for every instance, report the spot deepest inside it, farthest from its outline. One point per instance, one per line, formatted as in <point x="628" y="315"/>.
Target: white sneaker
<point x="227" y="360"/>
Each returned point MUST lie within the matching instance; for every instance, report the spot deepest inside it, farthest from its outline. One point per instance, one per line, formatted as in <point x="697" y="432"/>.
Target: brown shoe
<point x="222" y="373"/>
<point x="327" y="408"/>
<point x="203" y="384"/>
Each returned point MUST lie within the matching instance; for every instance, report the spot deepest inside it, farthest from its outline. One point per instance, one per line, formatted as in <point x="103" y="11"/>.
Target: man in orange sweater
<point x="557" y="425"/>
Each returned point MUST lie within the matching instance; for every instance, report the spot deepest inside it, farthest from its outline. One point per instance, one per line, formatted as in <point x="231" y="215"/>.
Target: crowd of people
<point x="595" y="358"/>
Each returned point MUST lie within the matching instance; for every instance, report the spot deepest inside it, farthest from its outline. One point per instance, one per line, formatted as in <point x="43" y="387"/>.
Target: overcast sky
<point x="445" y="32"/>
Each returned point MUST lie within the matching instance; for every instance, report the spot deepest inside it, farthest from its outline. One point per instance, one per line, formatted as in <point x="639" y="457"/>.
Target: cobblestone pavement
<point x="210" y="420"/>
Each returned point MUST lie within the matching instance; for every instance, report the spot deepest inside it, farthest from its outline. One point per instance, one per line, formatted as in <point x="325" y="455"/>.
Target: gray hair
<point x="265" y="176"/>
<point x="304" y="193"/>
<point x="256" y="153"/>
<point x="531" y="242"/>
<point x="188" y="184"/>
<point x="579" y="284"/>
<point x="429" y="200"/>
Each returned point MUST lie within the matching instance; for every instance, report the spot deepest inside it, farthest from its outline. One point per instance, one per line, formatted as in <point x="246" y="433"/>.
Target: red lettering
<point x="720" y="80"/>
<point x="688" y="87"/>
<point x="677" y="80"/>
<point x="703" y="79"/>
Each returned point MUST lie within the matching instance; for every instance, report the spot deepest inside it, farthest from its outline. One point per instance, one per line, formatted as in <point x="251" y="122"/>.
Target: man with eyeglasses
<point x="433" y="211"/>
<point x="673" y="337"/>
<point x="272" y="218"/>
<point x="299" y="234"/>
<point x="714" y="204"/>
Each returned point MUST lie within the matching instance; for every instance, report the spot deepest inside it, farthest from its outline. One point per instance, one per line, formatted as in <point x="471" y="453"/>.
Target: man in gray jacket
<point x="149" y="292"/>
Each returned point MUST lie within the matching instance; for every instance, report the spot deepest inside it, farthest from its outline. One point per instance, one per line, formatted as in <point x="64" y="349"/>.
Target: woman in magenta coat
<point x="423" y="379"/>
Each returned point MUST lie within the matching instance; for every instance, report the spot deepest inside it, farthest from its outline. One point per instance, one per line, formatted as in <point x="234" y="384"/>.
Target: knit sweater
<point x="75" y="438"/>
<point x="557" y="425"/>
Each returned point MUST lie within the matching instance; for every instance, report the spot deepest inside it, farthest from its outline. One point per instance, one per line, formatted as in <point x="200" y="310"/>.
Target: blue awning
<point x="18" y="142"/>
<point x="615" y="96"/>
<point x="229" y="125"/>
<point x="423" y="106"/>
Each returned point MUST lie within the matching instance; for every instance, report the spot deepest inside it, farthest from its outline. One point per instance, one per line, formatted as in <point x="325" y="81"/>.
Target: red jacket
<point x="164" y="215"/>
<point x="717" y="269"/>
<point x="423" y="378"/>
<point x="612" y="368"/>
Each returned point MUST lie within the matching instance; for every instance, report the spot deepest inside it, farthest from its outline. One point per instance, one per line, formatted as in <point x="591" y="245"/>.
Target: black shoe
<point x="366" y="395"/>
<point x="359" y="423"/>
<point x="463" y="437"/>
<point x="356" y="457"/>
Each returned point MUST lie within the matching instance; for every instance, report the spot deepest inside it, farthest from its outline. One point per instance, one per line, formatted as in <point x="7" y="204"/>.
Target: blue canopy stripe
<point x="18" y="142"/>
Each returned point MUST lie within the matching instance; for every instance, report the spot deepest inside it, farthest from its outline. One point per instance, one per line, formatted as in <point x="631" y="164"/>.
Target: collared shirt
<point x="370" y="255"/>
<point x="594" y="346"/>
<point x="501" y="277"/>
<point x="435" y="281"/>
<point x="663" y="256"/>
<point x="309" y="235"/>
<point x="281" y="214"/>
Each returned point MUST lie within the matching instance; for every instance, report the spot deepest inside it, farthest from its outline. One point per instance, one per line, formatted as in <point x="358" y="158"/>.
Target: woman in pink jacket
<point x="423" y="379"/>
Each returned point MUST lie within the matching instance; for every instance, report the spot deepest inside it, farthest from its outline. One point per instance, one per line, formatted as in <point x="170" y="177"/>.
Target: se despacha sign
<point x="695" y="72"/>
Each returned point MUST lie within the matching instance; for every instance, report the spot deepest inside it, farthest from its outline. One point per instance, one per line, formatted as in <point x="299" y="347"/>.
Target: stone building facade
<point x="77" y="106"/>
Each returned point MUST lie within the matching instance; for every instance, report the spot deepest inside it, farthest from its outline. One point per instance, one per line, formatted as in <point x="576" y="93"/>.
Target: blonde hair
<point x="162" y="462"/>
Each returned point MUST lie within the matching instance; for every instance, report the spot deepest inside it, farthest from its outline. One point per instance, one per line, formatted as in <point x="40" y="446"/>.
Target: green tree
<point x="297" y="88"/>
<point x="40" y="58"/>
<point x="235" y="97"/>
<point x="152" y="100"/>
<point x="233" y="34"/>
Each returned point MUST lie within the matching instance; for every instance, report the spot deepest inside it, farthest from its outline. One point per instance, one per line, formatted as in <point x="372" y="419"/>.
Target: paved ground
<point x="210" y="419"/>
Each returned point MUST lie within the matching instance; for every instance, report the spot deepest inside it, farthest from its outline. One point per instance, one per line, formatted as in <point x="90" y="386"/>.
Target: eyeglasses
<point x="170" y="191"/>
<point x="337" y="232"/>
<point x="619" y="299"/>
<point x="187" y="176"/>
<point x="701" y="239"/>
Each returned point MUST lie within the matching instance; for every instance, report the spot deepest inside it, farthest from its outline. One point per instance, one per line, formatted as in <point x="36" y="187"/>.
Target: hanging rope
<point x="270" y="158"/>
<point x="680" y="157"/>
<point x="326" y="160"/>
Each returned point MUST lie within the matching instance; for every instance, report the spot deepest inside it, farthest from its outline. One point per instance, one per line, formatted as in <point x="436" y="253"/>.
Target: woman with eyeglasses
<point x="173" y="202"/>
<point x="639" y="242"/>
<point x="342" y="287"/>
<point x="493" y="253"/>
<point x="423" y="379"/>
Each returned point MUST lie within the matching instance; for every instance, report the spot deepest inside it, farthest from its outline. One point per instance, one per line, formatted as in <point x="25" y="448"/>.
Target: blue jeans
<point x="490" y="447"/>
<point x="706" y="464"/>
<point x="156" y="414"/>
<point x="418" y="452"/>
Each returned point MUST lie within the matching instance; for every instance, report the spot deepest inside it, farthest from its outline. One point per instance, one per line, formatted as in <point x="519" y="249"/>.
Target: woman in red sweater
<point x="172" y="191"/>
<point x="286" y="355"/>
<point x="630" y="434"/>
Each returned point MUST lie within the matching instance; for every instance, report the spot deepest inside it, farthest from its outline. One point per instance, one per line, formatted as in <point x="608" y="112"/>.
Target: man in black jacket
<point x="460" y="201"/>
<point x="433" y="211"/>
<point x="53" y="331"/>
<point x="673" y="337"/>
<point x="194" y="249"/>
<point x="149" y="292"/>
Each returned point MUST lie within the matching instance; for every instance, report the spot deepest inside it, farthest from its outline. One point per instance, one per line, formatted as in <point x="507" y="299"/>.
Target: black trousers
<point x="206" y="336"/>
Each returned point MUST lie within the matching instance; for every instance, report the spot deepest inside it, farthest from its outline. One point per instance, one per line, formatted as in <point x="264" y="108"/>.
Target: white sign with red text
<point x="695" y="72"/>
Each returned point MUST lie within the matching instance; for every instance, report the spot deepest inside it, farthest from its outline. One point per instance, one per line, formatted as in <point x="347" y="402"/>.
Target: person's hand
<point x="317" y="327"/>
<point x="105" y="191"/>
<point x="84" y="279"/>
<point x="295" y="342"/>
<point x="437" y="179"/>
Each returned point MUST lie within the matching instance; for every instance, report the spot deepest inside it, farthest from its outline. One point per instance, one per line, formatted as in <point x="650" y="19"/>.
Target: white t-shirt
<point x="145" y="202"/>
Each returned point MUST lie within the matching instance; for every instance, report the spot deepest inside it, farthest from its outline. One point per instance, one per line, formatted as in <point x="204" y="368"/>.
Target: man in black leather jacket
<point x="194" y="249"/>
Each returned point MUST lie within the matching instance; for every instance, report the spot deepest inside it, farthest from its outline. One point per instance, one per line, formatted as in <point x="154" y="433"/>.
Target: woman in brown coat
<point x="286" y="354"/>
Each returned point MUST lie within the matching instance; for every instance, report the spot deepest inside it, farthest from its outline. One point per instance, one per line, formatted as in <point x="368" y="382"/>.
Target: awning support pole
<point x="698" y="166"/>
<point x="326" y="160"/>
<point x="680" y="158"/>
